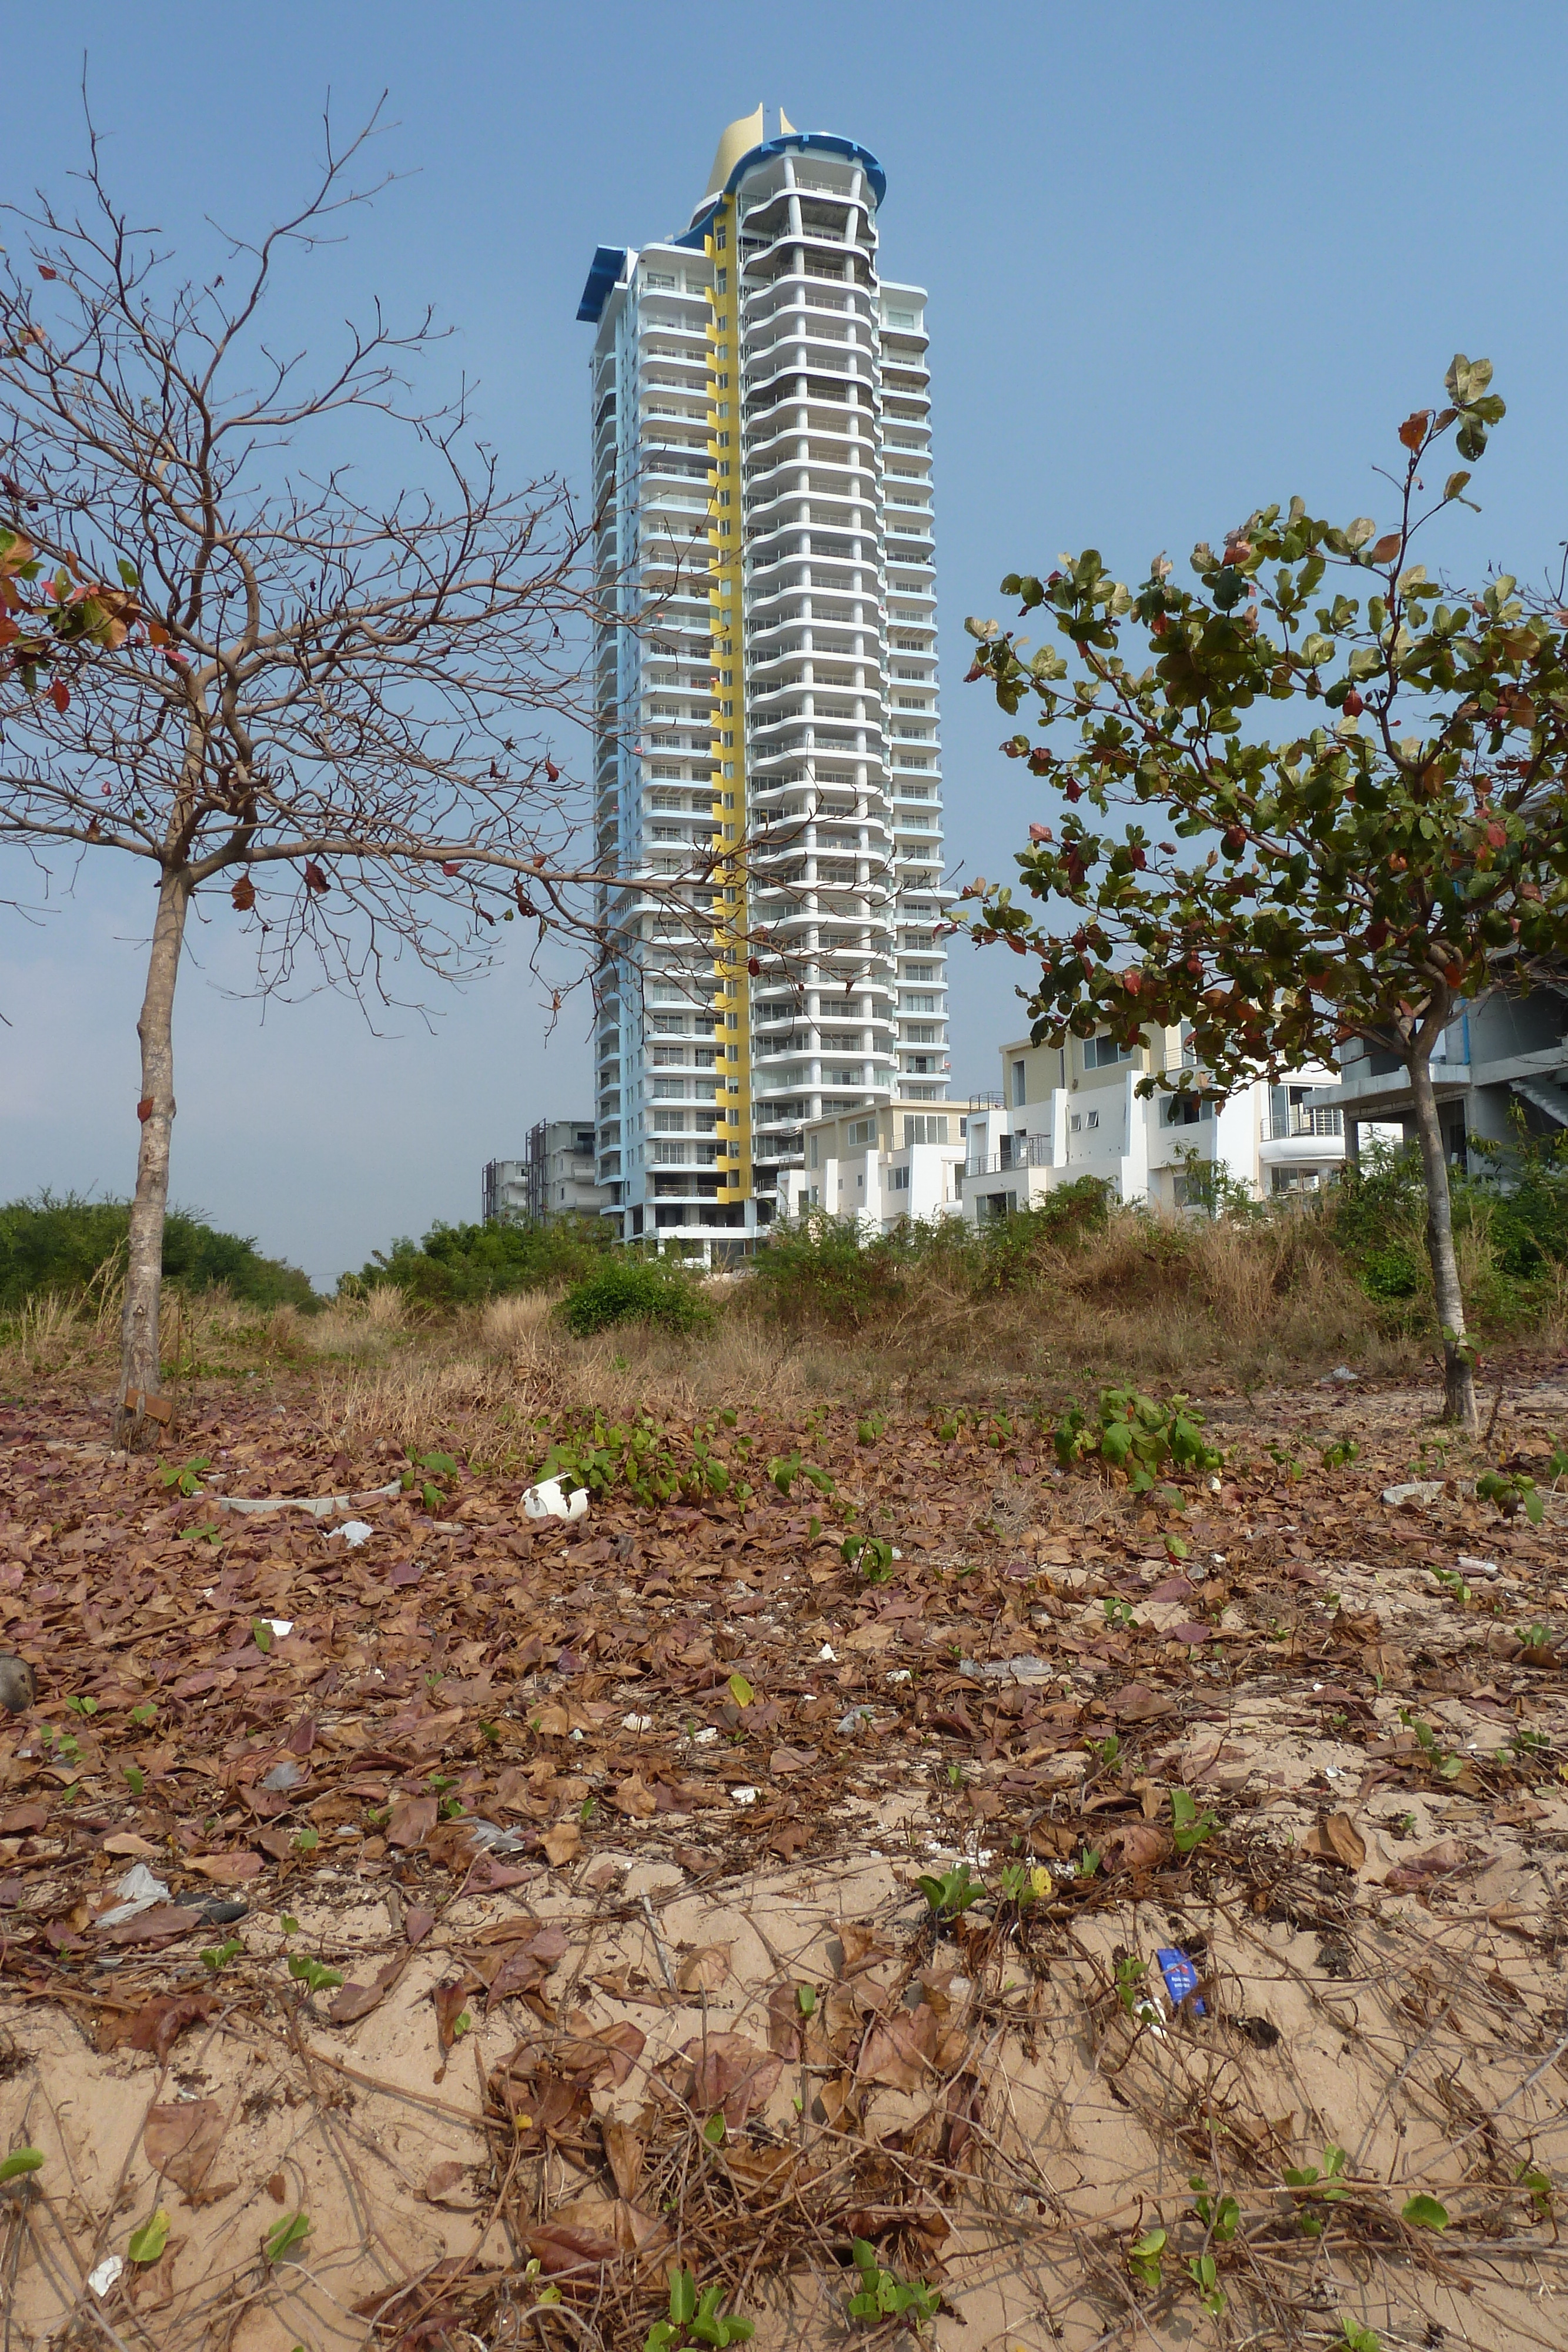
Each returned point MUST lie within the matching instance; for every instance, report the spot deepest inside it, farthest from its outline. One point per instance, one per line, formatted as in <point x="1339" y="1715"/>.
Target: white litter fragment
<point x="1214" y="1485"/>
<point x="549" y="1500"/>
<point x="1340" y="1373"/>
<point x="138" y="1890"/>
<point x="636" y="1722"/>
<point x="1413" y="1490"/>
<point x="1009" y="1670"/>
<point x="1478" y="1567"/>
<point x="107" y="2274"/>
<point x="281" y="1625"/>
<point x="856" y="1716"/>
<point x="900" y="1674"/>
<point x="827" y="1655"/>
<point x="745" y="1796"/>
<point x="706" y="1738"/>
<point x="320" y="1506"/>
<point x="491" y="1838"/>
<point x="354" y="1532"/>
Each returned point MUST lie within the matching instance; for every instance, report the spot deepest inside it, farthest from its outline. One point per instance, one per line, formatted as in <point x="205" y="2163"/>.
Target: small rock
<point x="18" y="1684"/>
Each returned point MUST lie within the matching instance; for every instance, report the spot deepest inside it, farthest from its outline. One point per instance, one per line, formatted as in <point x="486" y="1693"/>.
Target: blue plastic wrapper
<point x="1181" y="1979"/>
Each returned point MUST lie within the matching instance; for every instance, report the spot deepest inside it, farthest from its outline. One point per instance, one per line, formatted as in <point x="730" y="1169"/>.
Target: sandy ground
<point x="679" y="2045"/>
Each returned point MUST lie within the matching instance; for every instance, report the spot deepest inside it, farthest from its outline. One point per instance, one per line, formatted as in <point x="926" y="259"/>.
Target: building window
<point x="863" y="1131"/>
<point x="925" y="1128"/>
<point x="1103" y="1053"/>
<point x="1019" y="1075"/>
<point x="898" y="1180"/>
<point x="1094" y="1118"/>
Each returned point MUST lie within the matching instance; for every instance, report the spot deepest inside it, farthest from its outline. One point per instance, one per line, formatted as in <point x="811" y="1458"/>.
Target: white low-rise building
<point x="888" y="1161"/>
<point x="1073" y="1110"/>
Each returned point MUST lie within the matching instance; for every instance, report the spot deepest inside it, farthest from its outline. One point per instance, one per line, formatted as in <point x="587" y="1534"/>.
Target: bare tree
<point x="325" y="714"/>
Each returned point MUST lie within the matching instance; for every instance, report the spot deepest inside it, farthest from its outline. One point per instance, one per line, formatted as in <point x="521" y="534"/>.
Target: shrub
<point x="821" y="1271"/>
<point x="463" y="1266"/>
<point x="636" y="1290"/>
<point x="49" y="1245"/>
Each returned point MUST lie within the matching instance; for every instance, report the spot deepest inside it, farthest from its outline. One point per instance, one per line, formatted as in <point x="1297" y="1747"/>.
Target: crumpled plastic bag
<point x="354" y="1532"/>
<point x="138" y="1890"/>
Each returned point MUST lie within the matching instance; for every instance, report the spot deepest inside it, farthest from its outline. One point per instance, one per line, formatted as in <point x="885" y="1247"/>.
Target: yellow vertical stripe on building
<point x="729" y="782"/>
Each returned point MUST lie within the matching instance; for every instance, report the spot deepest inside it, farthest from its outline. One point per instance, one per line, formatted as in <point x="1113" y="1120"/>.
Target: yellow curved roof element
<point x="734" y="141"/>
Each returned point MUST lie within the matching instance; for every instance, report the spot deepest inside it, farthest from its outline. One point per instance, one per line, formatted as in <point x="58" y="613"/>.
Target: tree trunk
<point x="1458" y="1368"/>
<point x="141" y="1416"/>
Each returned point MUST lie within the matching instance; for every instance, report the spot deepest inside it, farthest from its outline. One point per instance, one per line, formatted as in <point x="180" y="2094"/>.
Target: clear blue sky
<point x="1180" y="260"/>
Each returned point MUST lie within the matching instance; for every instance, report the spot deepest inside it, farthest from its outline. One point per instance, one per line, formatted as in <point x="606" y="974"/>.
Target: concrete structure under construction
<point x="554" y="1179"/>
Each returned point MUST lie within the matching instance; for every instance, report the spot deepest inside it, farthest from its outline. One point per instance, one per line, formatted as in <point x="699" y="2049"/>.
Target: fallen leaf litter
<point x="478" y="1926"/>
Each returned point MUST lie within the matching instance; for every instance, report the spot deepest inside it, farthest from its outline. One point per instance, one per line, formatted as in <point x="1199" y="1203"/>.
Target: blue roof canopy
<point x="609" y="261"/>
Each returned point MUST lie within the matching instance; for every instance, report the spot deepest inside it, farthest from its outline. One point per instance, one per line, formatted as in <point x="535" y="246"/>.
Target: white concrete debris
<point x="549" y="1500"/>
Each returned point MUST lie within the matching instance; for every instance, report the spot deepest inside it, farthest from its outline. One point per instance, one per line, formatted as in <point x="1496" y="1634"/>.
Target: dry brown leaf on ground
<point x="730" y="2075"/>
<point x="862" y="1948"/>
<point x="411" y="1820"/>
<point x="900" y="2051"/>
<point x="450" y="1998"/>
<point x="158" y="2025"/>
<point x="561" y="2248"/>
<point x="703" y="1968"/>
<point x="1136" y="1702"/>
<point x="602" y="2059"/>
<point x="563" y="1843"/>
<point x="181" y="2141"/>
<point x="624" y="2150"/>
<point x="353" y="2001"/>
<point x="1333" y="1837"/>
<point x="1133" y="1846"/>
<point x="229" y="1869"/>
<point x="443" y="2181"/>
<point x="1440" y="1861"/>
<point x="633" y="1797"/>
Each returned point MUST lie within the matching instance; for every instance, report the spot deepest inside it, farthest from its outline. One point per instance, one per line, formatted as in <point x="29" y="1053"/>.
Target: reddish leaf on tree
<point x="315" y="881"/>
<point x="244" y="895"/>
<point x="60" y="694"/>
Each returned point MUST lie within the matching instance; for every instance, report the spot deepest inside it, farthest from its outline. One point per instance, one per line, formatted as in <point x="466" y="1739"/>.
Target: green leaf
<point x="20" y="2160"/>
<point x="148" y="2242"/>
<point x="135" y="1780"/>
<point x="261" y="1632"/>
<point x="287" y="2235"/>
<point x="683" y="2296"/>
<point x="740" y="1690"/>
<point x="1424" y="2213"/>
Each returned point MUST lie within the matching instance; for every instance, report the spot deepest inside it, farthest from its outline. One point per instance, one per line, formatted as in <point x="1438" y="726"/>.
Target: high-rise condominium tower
<point x="765" y="675"/>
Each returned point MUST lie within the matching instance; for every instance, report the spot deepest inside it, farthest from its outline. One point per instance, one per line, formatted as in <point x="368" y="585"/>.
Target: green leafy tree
<point x="1398" y="851"/>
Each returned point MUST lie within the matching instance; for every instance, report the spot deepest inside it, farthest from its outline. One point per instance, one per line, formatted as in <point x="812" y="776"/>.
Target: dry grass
<point x="1163" y="1301"/>
<point x="493" y="1374"/>
<point x="1170" y="1304"/>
